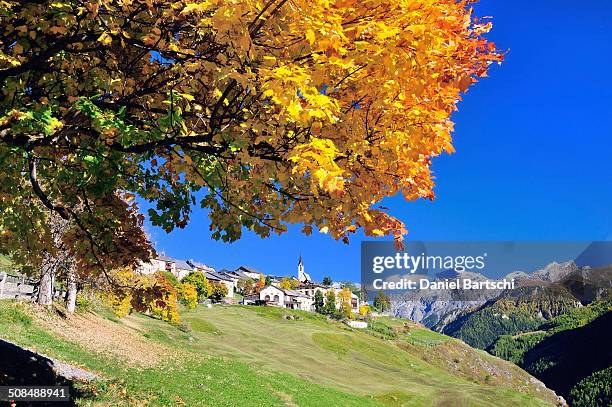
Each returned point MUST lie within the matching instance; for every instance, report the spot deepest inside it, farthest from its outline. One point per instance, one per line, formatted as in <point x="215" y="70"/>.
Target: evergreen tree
<point x="319" y="303"/>
<point x="330" y="303"/>
<point x="327" y="280"/>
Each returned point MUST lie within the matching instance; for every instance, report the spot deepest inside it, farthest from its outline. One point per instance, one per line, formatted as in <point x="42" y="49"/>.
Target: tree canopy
<point x="270" y="112"/>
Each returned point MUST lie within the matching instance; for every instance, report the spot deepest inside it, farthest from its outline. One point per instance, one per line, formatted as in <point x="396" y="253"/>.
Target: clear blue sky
<point x="533" y="158"/>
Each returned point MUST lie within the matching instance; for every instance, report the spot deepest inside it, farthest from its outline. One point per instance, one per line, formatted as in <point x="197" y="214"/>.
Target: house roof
<point x="291" y="293"/>
<point x="212" y="275"/>
<point x="183" y="265"/>
<point x="248" y="269"/>
<point x="199" y="265"/>
<point x="280" y="277"/>
<point x="312" y="285"/>
<point x="231" y="276"/>
<point x="294" y="293"/>
<point x="236" y="274"/>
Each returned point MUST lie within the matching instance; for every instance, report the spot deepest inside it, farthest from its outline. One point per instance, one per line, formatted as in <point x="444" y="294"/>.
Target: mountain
<point x="514" y="311"/>
<point x="438" y="308"/>
<point x="556" y="324"/>
<point x="564" y="350"/>
<point x="589" y="284"/>
<point x="431" y="307"/>
<point x="554" y="271"/>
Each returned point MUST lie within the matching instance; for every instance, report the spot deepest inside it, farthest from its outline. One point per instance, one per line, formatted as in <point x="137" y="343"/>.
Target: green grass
<point x="425" y="337"/>
<point x="5" y="263"/>
<point x="255" y="356"/>
<point x="203" y="326"/>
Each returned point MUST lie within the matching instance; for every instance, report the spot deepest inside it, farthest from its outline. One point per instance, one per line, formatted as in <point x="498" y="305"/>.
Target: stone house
<point x="279" y="297"/>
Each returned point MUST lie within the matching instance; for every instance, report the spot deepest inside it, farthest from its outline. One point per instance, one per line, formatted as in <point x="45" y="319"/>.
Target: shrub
<point x="364" y="310"/>
<point x="188" y="295"/>
<point x="218" y="292"/>
<point x="201" y="283"/>
<point x="83" y="302"/>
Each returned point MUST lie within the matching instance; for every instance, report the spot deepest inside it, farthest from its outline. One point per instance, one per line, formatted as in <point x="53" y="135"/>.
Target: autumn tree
<point x="352" y="287"/>
<point x="246" y="287"/>
<point x="287" y="283"/>
<point x="345" y="307"/>
<point x="200" y="282"/>
<point x="188" y="295"/>
<point x="149" y="294"/>
<point x="270" y="112"/>
<point x="259" y="285"/>
<point x="382" y="302"/>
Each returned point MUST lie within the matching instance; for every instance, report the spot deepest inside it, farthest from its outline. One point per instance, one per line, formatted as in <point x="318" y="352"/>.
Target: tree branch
<point x="40" y="193"/>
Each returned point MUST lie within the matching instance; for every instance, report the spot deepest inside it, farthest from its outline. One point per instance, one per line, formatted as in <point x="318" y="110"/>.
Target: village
<point x="293" y="292"/>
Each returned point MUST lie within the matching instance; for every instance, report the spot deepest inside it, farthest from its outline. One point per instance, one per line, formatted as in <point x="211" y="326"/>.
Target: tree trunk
<point x="72" y="292"/>
<point x="45" y="289"/>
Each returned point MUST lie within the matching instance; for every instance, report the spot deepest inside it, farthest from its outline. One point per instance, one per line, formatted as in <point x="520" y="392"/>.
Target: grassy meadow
<point x="257" y="356"/>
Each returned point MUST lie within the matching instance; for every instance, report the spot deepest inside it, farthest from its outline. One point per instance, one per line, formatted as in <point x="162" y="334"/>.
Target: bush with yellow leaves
<point x="153" y="295"/>
<point x="188" y="295"/>
<point x="364" y="310"/>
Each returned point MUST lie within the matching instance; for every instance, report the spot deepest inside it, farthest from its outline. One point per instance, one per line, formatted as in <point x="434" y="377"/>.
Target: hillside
<point x="256" y="356"/>
<point x="521" y="310"/>
<point x="564" y="350"/>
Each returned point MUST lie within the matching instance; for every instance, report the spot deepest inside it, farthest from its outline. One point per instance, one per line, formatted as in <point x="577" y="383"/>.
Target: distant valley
<point x="557" y="325"/>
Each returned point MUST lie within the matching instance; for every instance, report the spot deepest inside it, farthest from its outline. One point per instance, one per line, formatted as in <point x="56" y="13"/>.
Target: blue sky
<point x="533" y="152"/>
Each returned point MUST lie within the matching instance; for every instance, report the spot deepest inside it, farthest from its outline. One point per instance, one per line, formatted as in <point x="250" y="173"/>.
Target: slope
<point x="255" y="356"/>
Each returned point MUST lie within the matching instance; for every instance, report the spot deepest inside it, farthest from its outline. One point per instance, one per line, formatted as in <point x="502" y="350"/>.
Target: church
<point x="303" y="296"/>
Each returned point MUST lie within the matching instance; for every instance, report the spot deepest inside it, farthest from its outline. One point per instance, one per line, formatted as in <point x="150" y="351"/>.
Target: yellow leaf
<point x="310" y="36"/>
<point x="105" y="38"/>
<point x="294" y="109"/>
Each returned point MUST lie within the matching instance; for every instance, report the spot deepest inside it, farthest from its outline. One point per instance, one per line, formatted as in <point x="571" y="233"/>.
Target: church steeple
<point x="302" y="276"/>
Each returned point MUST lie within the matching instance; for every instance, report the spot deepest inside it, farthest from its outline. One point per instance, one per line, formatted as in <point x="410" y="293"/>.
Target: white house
<point x="280" y="297"/>
<point x="200" y="266"/>
<point x="249" y="271"/>
<point x="182" y="268"/>
<point x="309" y="288"/>
<point x="159" y="263"/>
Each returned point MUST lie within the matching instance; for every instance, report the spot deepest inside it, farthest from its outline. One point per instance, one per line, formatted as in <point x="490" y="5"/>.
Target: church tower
<point x="302" y="276"/>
